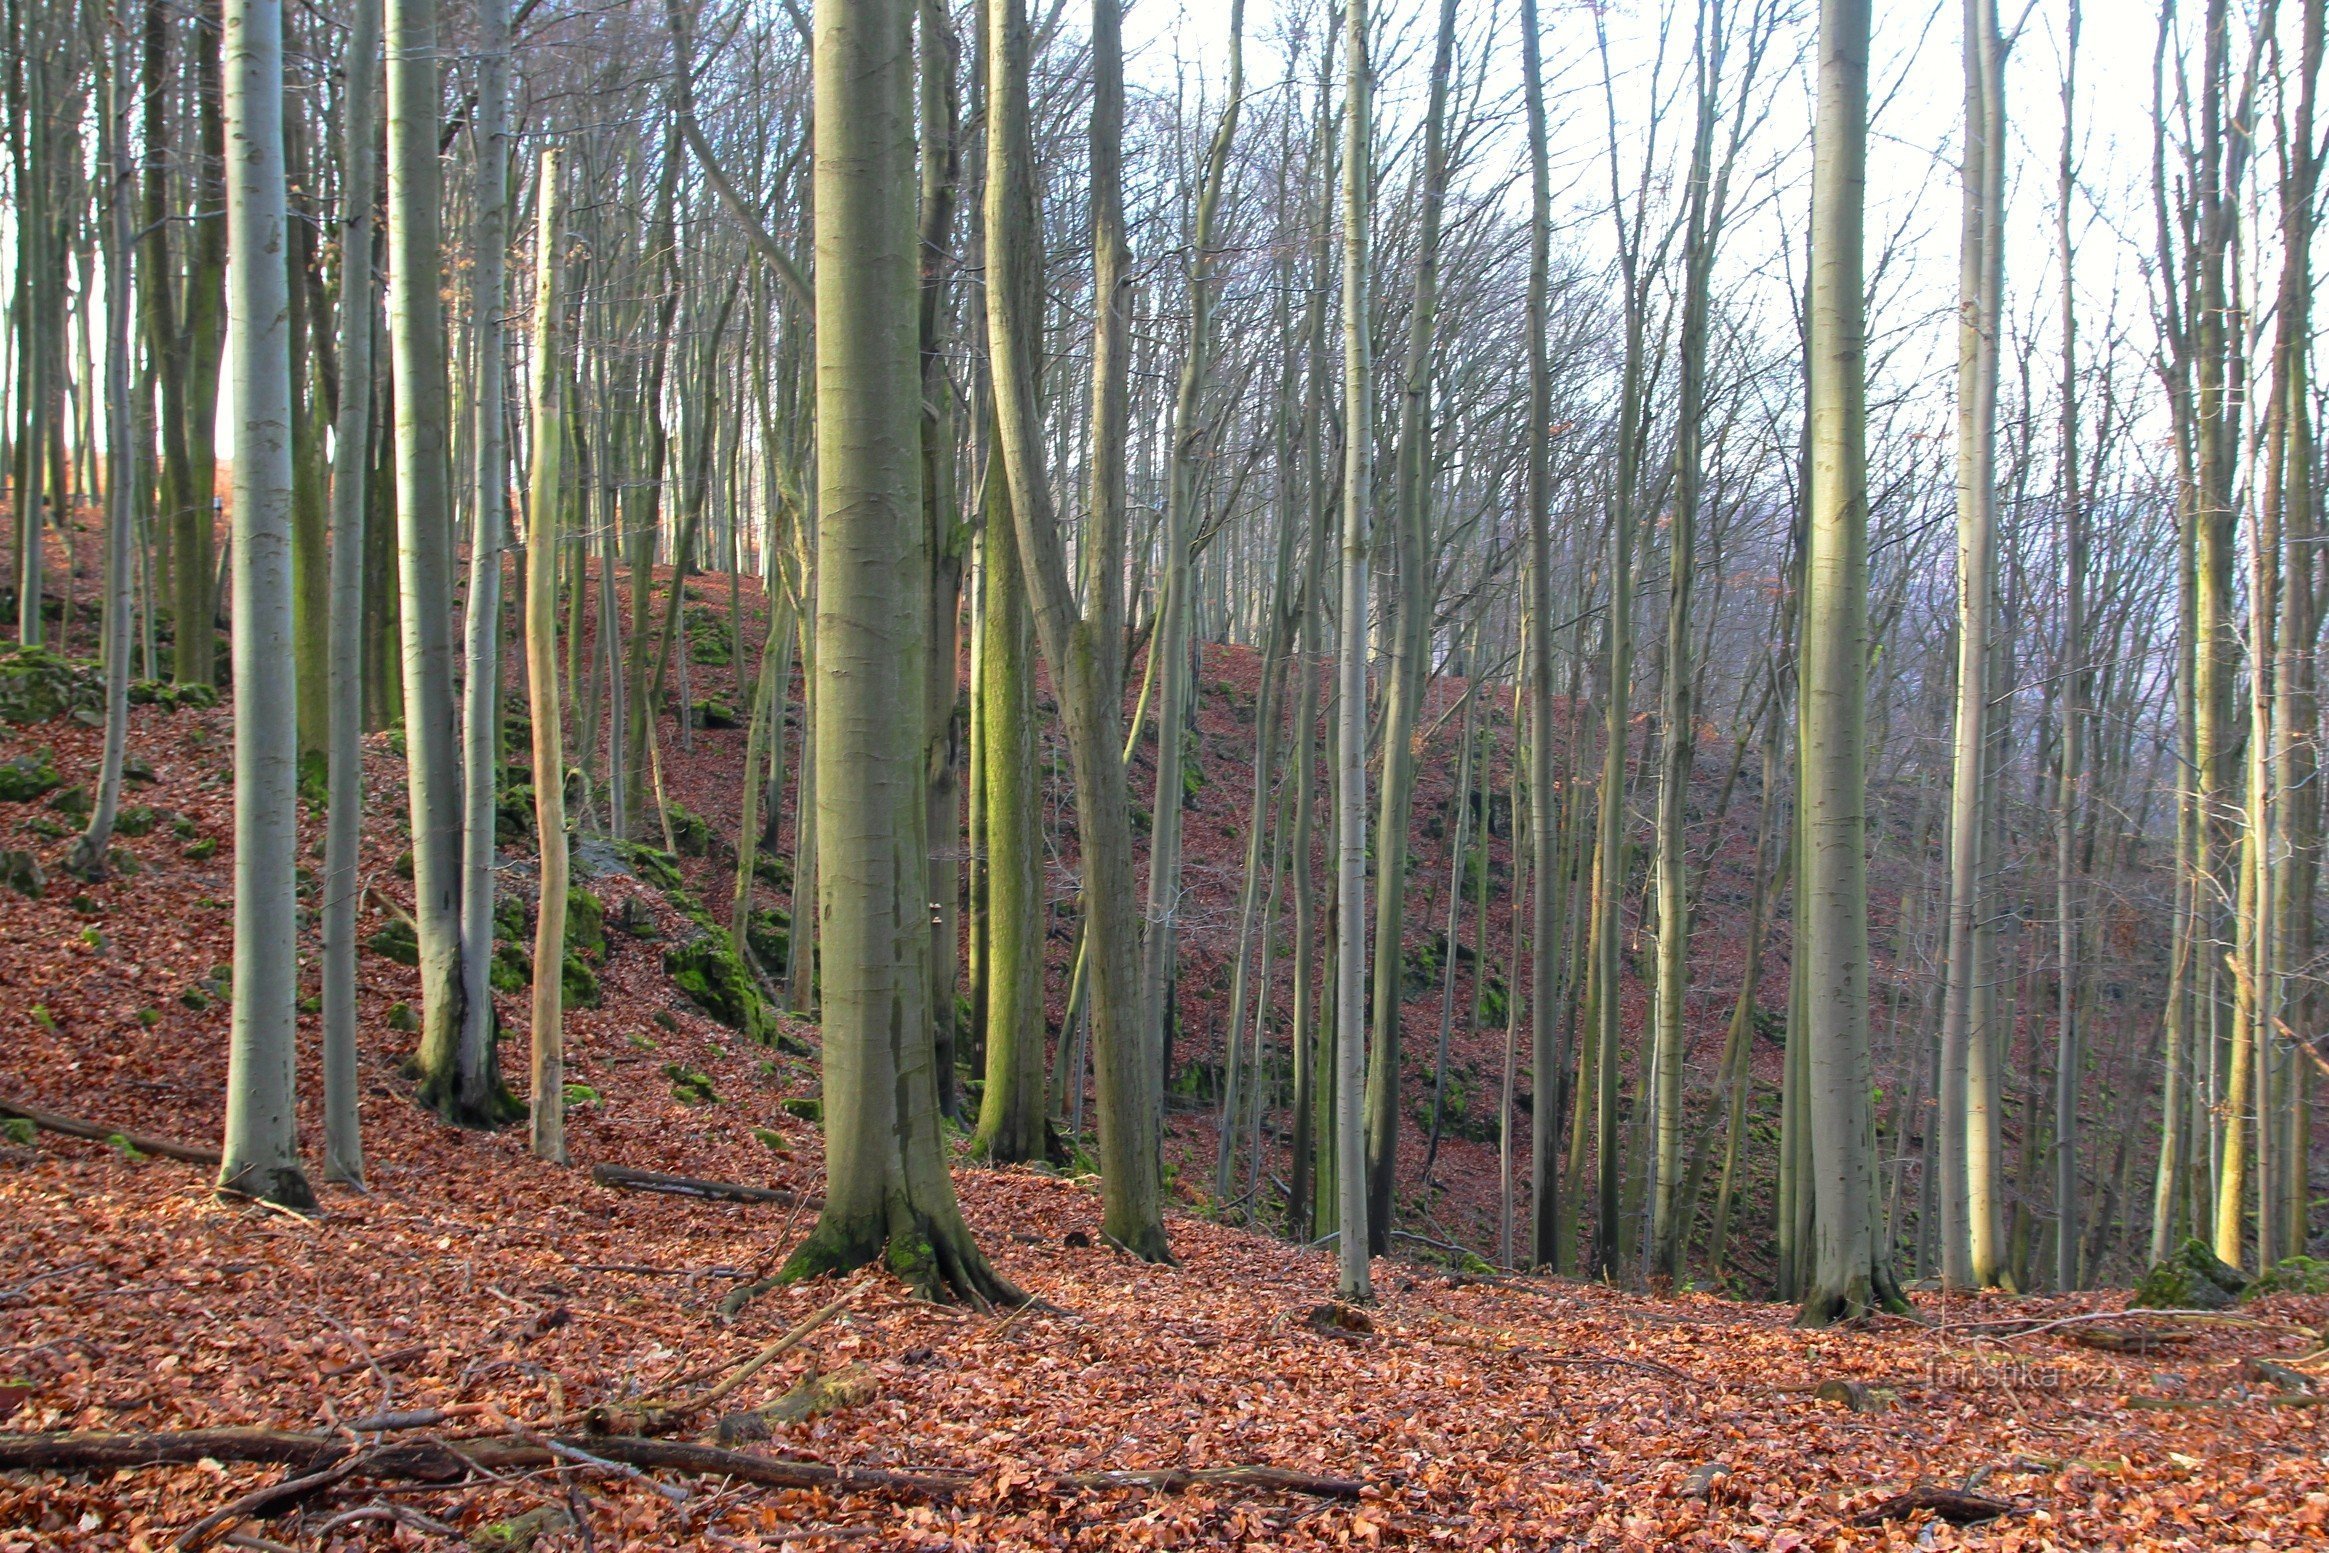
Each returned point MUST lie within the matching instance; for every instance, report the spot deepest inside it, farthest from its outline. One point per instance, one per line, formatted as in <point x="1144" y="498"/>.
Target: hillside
<point x="475" y="1294"/>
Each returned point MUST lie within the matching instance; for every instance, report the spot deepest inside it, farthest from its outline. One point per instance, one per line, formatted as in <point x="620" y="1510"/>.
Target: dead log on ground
<point x="624" y="1178"/>
<point x="98" y="1132"/>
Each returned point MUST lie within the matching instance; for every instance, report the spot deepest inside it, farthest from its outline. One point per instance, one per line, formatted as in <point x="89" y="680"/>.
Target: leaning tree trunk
<point x="261" y="1153"/>
<point x="545" y="497"/>
<point x="887" y="1189"/>
<point x="1080" y="649"/>
<point x="343" y="833"/>
<point x="458" y="1082"/>
<point x="1848" y="1280"/>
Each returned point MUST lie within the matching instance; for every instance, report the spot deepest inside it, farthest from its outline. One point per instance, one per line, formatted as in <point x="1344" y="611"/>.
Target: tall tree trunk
<point x="1010" y="1122"/>
<point x="121" y="438"/>
<point x="459" y="1082"/>
<point x="1409" y="643"/>
<point x="2077" y="689"/>
<point x="887" y="1187"/>
<point x="1849" y="1277"/>
<point x="1969" y="1204"/>
<point x="1079" y="648"/>
<point x="1169" y="646"/>
<point x="1546" y="1063"/>
<point x="1350" y="1010"/>
<point x="481" y="719"/>
<point x="261" y="1153"/>
<point x="545" y="496"/>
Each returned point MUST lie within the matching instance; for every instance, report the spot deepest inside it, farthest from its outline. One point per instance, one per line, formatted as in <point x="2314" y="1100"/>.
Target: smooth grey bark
<point x="887" y="1194"/>
<point x="352" y="439"/>
<point x="1169" y="645"/>
<point x="1546" y="1065"/>
<point x="1848" y="1277"/>
<point x="1409" y="641"/>
<point x="2077" y="687"/>
<point x="1080" y="644"/>
<point x="545" y="500"/>
<point x="88" y="856"/>
<point x="1969" y="1228"/>
<point x="260" y="1157"/>
<point x="1350" y="1008"/>
<point x="481" y="711"/>
<point x="459" y="1082"/>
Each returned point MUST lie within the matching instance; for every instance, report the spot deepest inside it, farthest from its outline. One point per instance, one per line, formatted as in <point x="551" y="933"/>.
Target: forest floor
<point x="509" y="1297"/>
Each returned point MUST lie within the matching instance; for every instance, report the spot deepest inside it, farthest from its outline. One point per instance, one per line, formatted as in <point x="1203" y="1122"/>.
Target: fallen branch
<point x="97" y="1132"/>
<point x="1949" y="1504"/>
<point x="624" y="1178"/>
<point x="653" y="1416"/>
<point x="1175" y="1480"/>
<point x="2193" y="1404"/>
<point x="438" y="1460"/>
<point x="260" y="1503"/>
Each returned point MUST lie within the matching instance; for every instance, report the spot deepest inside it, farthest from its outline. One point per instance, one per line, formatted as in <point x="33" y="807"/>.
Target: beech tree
<point x="261" y="1153"/>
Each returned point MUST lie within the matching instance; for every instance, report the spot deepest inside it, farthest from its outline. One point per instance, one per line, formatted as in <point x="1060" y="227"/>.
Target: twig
<point x="261" y="1500"/>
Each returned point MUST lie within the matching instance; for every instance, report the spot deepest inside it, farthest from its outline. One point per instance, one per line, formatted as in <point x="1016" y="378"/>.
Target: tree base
<point x="932" y="1254"/>
<point x="1873" y="1292"/>
<point x="479" y="1102"/>
<point x="284" y="1185"/>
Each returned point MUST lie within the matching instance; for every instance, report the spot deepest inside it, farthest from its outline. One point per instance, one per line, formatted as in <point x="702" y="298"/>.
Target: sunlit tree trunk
<point x="546" y="497"/>
<point x="261" y="1153"/>
<point x="887" y="1188"/>
<point x="481" y="710"/>
<point x="352" y="439"/>
<point x="1848" y="1277"/>
<point x="1080" y="645"/>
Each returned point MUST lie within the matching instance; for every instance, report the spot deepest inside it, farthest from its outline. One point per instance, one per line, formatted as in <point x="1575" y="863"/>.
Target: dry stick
<point x="260" y="1501"/>
<point x="623" y="1178"/>
<point x="96" y="1132"/>
<point x="771" y="1353"/>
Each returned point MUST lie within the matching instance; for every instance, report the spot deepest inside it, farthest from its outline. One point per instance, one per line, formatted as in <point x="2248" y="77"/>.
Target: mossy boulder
<point x="29" y="776"/>
<point x="37" y="684"/>
<point x="770" y="935"/>
<point x="712" y="712"/>
<point x="578" y="983"/>
<point x="651" y="866"/>
<point x="2192" y="1278"/>
<point x="171" y="698"/>
<point x="708" y="971"/>
<point x="513" y="814"/>
<point x="397" y="941"/>
<point x="21" y="872"/>
<point x="586" y="925"/>
<point x="2291" y="1275"/>
<point x="690" y="831"/>
<point x="136" y="820"/>
<point x="513" y="968"/>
